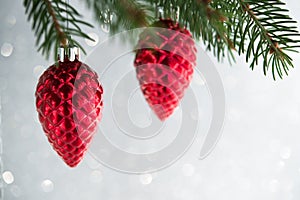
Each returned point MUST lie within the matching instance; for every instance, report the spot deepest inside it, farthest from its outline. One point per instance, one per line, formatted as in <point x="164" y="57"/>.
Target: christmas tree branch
<point x="268" y="32"/>
<point x="217" y="22"/>
<point x="50" y="24"/>
<point x="262" y="30"/>
<point x="61" y="35"/>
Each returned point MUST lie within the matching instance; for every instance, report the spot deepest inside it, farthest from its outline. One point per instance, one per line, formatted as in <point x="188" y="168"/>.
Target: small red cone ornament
<point x="69" y="100"/>
<point x="164" y="63"/>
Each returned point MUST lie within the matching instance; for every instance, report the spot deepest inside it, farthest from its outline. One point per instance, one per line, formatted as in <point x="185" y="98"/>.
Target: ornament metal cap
<point x="69" y="52"/>
<point x="173" y="13"/>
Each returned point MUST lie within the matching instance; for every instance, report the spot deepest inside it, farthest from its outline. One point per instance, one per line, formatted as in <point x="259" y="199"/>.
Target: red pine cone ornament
<point x="164" y="64"/>
<point x="69" y="100"/>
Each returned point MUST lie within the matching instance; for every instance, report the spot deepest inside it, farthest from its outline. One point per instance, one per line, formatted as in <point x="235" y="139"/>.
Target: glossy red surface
<point x="164" y="65"/>
<point x="69" y="100"/>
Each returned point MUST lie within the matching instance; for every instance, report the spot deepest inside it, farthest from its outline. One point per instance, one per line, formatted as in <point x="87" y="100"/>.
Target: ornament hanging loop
<point x="65" y="50"/>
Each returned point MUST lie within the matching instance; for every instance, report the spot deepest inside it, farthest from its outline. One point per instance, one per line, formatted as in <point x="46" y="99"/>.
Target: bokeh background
<point x="258" y="156"/>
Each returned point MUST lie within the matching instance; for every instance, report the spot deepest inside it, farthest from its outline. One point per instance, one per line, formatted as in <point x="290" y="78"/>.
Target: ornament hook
<point x="66" y="51"/>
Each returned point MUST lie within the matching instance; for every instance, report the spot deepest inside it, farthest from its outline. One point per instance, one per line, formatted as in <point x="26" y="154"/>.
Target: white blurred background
<point x="258" y="156"/>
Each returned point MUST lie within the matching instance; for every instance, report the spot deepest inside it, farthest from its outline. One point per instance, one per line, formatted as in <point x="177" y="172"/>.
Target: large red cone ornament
<point x="164" y="62"/>
<point x="69" y="103"/>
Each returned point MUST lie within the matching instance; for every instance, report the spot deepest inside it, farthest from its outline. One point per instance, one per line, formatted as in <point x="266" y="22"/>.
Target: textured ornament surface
<point x="164" y="62"/>
<point x="69" y="101"/>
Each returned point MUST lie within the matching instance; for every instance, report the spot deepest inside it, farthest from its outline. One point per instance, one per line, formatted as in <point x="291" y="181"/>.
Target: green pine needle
<point x="261" y="30"/>
<point x="49" y="19"/>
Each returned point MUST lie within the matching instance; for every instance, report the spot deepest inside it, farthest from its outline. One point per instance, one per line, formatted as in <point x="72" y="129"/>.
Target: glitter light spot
<point x="8" y="177"/>
<point x="285" y="153"/>
<point x="188" y="170"/>
<point x="16" y="191"/>
<point x="96" y="176"/>
<point x="38" y="70"/>
<point x="198" y="80"/>
<point x="194" y="115"/>
<point x="11" y="20"/>
<point x="90" y="42"/>
<point x="274" y="145"/>
<point x="47" y="185"/>
<point x="274" y="185"/>
<point x="280" y="165"/>
<point x="294" y="116"/>
<point x="32" y="157"/>
<point x="146" y="179"/>
<point x="105" y="28"/>
<point x="289" y="186"/>
<point x="234" y="115"/>
<point x="92" y="162"/>
<point x="6" y="49"/>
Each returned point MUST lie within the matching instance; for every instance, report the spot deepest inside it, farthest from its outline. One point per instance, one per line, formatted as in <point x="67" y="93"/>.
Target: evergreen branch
<point x="259" y="29"/>
<point x="61" y="35"/>
<point x="48" y="22"/>
<point x="267" y="31"/>
<point x="217" y="21"/>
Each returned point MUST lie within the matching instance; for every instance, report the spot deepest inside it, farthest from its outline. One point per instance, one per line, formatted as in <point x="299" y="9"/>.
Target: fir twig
<point x="262" y="30"/>
<point x="61" y="35"/>
<point x="49" y="24"/>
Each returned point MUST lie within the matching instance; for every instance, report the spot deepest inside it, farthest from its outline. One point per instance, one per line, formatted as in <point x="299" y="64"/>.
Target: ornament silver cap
<point x="70" y="53"/>
<point x="173" y="13"/>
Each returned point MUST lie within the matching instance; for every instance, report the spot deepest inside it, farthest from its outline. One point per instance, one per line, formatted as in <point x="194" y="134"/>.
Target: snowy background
<point x="258" y="156"/>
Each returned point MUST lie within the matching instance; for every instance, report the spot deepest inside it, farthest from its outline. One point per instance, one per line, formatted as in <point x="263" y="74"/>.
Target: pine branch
<point x="220" y="43"/>
<point x="259" y="29"/>
<point x="49" y="22"/>
<point x="61" y="35"/>
<point x="262" y="29"/>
